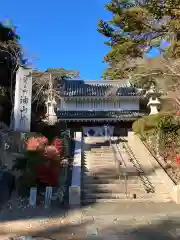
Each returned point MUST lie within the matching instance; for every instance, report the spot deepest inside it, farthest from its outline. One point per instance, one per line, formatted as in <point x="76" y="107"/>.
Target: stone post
<point x="154" y="102"/>
<point x="50" y="112"/>
<point x="157" y="145"/>
<point x="106" y="132"/>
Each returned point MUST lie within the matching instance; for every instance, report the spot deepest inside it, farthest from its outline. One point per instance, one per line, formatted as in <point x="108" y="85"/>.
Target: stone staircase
<point x="110" y="175"/>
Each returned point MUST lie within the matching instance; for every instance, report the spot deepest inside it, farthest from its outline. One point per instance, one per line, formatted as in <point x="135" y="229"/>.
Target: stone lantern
<point x="154" y="102"/>
<point x="51" y="116"/>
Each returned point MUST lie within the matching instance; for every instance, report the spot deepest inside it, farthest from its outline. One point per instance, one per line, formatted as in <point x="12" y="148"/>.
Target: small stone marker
<point x="91" y="232"/>
<point x="48" y="197"/>
<point x="33" y="196"/>
<point x="74" y="195"/>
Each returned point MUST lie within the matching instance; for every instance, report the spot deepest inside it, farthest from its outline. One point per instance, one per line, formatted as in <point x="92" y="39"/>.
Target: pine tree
<point x="136" y="27"/>
<point x="128" y="33"/>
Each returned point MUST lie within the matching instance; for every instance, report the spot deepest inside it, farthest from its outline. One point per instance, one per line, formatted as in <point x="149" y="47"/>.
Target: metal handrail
<point x="147" y="183"/>
<point x="115" y="157"/>
<point x="117" y="147"/>
<point x="119" y="165"/>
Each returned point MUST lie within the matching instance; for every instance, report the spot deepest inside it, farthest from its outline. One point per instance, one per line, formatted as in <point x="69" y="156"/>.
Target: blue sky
<point x="60" y="33"/>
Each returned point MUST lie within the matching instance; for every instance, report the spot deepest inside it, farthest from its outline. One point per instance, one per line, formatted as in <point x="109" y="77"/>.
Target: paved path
<point x="126" y="221"/>
<point x="137" y="220"/>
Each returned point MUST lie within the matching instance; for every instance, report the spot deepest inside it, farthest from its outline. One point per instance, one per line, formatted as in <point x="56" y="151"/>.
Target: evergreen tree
<point x="136" y="27"/>
<point x="10" y="56"/>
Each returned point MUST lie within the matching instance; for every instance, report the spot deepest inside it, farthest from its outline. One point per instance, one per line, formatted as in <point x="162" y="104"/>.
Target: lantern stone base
<point x="153" y="109"/>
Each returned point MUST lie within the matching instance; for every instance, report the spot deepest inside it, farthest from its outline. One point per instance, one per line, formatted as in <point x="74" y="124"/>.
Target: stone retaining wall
<point x="174" y="190"/>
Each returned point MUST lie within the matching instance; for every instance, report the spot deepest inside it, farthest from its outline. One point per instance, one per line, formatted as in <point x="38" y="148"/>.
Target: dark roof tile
<point x="73" y="88"/>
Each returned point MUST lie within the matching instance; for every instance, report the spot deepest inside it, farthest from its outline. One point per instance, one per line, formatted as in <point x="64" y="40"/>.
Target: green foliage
<point x="10" y="56"/>
<point x="29" y="161"/>
<point x="8" y="33"/>
<point x="125" y="32"/>
<point x="27" y="167"/>
<point x="147" y="125"/>
<point x="135" y="28"/>
<point x="20" y="164"/>
<point x="62" y="74"/>
<point x="25" y="182"/>
<point x="169" y="124"/>
<point x="164" y="123"/>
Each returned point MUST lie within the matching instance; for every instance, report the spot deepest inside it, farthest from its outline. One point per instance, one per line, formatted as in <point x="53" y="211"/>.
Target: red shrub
<point x="58" y="144"/>
<point x="178" y="159"/>
<point x="48" y="175"/>
<point x="51" y="152"/>
<point x="36" y="143"/>
<point x="48" y="170"/>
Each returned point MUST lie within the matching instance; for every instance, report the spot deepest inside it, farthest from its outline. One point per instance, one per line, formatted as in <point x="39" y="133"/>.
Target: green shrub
<point x="169" y="124"/>
<point x="147" y="124"/>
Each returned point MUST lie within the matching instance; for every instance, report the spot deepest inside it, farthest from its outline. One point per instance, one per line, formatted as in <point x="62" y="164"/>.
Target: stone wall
<point x="12" y="145"/>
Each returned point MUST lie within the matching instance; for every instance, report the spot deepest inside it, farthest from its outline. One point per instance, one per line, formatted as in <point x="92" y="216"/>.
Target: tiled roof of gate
<point x="100" y="114"/>
<point x="77" y="88"/>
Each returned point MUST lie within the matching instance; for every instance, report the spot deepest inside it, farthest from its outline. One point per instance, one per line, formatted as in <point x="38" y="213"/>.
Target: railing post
<point x="125" y="183"/>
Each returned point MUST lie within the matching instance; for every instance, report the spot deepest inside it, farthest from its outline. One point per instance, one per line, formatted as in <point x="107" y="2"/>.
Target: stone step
<point x="111" y="196"/>
<point x="101" y="172"/>
<point x="114" y="186"/>
<point x="101" y="151"/>
<point x="110" y="176"/>
<point x="120" y="168"/>
<point x="100" y="148"/>
<point x="96" y="155"/>
<point x="116" y="191"/>
<point x="96" y="142"/>
<point x="104" y="160"/>
<point x="91" y="180"/>
<point x="100" y="156"/>
<point x="106" y="147"/>
<point x="87" y="202"/>
<point x="97" y="169"/>
<point x="99" y="164"/>
<point x="104" y="196"/>
<point x="101" y="161"/>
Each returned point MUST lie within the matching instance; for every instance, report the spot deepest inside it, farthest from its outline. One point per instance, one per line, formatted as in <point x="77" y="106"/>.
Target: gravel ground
<point x="18" y="218"/>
